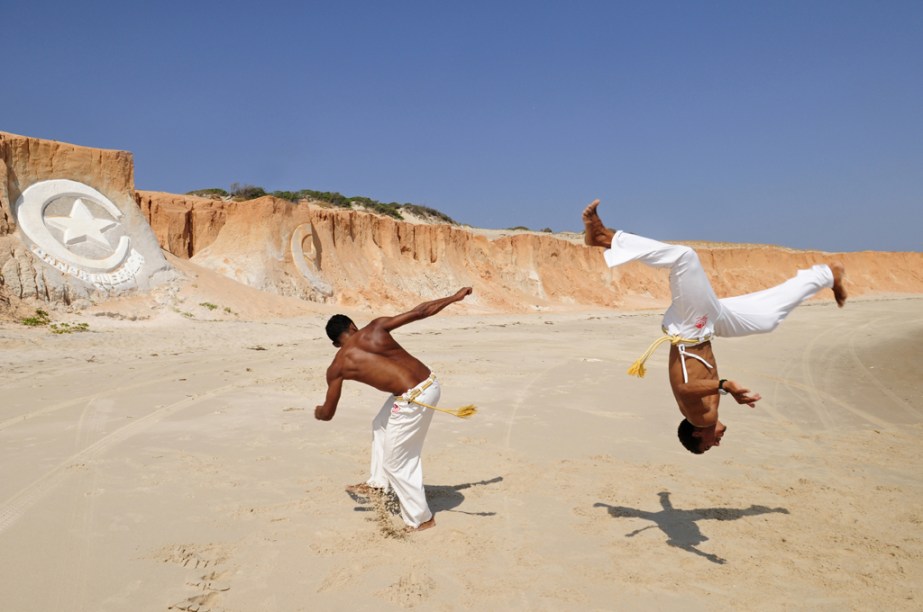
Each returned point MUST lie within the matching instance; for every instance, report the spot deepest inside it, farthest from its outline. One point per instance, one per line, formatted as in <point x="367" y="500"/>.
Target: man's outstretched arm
<point x="423" y="311"/>
<point x="697" y="389"/>
<point x="334" y="388"/>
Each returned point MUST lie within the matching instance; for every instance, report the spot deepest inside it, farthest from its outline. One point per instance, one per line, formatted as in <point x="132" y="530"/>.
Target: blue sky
<point x="793" y="123"/>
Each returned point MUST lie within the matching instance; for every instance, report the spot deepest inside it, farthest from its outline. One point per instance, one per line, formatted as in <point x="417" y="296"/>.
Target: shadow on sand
<point x="680" y="526"/>
<point x="441" y="498"/>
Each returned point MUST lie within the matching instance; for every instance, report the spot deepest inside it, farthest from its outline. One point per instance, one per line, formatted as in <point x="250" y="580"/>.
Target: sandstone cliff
<point x="69" y="227"/>
<point x="359" y="259"/>
<point x="97" y="237"/>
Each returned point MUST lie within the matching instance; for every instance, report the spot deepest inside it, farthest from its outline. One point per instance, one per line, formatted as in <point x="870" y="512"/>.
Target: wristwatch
<point x="721" y="389"/>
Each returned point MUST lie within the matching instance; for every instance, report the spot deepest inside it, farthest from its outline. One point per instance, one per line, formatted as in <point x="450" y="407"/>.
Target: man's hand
<point x="322" y="415"/>
<point x="742" y="395"/>
<point x="462" y="293"/>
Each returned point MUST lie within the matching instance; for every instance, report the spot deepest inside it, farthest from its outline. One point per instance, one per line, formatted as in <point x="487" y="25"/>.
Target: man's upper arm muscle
<point x="334" y="389"/>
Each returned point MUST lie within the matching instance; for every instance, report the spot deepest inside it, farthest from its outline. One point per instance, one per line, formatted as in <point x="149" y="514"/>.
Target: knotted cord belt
<point x="411" y="398"/>
<point x="638" y="369"/>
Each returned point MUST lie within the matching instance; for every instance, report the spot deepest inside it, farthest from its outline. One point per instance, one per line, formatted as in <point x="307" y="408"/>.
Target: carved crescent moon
<point x="30" y="209"/>
<point x="300" y="258"/>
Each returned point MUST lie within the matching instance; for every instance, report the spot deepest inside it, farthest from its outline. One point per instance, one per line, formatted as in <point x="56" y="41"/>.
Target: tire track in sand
<point x="174" y="369"/>
<point x="12" y="509"/>
<point x="883" y="388"/>
<point x="820" y="401"/>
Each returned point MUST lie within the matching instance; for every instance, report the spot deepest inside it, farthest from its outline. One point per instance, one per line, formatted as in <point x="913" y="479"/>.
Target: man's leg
<point x="694" y="306"/>
<point x="404" y="442"/>
<point x="378" y="478"/>
<point x="762" y="311"/>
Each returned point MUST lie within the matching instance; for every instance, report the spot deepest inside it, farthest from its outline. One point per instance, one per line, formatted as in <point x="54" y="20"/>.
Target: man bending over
<point x="371" y="356"/>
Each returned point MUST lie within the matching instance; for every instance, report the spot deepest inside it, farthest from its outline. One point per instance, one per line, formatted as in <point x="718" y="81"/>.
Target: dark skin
<point x="698" y="399"/>
<point x="371" y="356"/>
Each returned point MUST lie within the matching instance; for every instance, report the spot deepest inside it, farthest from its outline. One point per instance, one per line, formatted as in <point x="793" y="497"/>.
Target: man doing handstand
<point x="371" y="356"/>
<point x="696" y="315"/>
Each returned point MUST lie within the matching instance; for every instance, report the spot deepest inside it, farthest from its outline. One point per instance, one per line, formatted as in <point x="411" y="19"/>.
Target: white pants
<point x="696" y="312"/>
<point x="398" y="433"/>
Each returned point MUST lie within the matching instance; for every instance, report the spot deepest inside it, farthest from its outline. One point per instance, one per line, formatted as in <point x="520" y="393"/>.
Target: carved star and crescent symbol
<point x="81" y="225"/>
<point x="70" y="226"/>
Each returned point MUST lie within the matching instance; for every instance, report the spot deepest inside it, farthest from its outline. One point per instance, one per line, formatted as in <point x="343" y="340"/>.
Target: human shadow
<point x="680" y="526"/>
<point x="441" y="498"/>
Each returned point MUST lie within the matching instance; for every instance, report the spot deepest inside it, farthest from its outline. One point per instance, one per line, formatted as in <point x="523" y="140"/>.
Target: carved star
<point x="81" y="225"/>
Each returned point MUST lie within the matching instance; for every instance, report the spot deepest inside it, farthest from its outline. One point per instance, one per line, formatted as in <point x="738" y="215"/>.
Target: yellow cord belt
<point x="411" y="398"/>
<point x="638" y="369"/>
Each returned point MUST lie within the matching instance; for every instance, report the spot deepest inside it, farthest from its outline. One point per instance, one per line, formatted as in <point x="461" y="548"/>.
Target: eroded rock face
<point x="369" y="259"/>
<point x="69" y="226"/>
<point x="72" y="227"/>
<point x="265" y="243"/>
<point x="363" y="260"/>
<point x="183" y="224"/>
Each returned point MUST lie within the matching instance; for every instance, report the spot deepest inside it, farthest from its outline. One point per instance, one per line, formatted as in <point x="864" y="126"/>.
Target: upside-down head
<point x="697" y="440"/>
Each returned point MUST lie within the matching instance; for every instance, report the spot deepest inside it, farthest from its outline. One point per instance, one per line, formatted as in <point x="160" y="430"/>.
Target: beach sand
<point x="174" y="463"/>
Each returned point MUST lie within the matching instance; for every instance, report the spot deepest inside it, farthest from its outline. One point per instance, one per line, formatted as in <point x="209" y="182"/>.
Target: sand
<point x="173" y="463"/>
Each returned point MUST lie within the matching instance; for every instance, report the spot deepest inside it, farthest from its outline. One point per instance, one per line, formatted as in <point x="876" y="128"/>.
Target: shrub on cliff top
<point x="330" y="197"/>
<point x="426" y="211"/>
<point x="246" y="192"/>
<point x="391" y="209"/>
<point x="214" y="192"/>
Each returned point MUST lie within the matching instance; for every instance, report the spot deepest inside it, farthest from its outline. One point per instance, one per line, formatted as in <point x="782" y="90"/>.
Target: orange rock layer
<point x="374" y="261"/>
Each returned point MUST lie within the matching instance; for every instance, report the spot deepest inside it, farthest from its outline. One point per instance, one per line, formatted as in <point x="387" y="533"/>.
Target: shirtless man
<point x="696" y="315"/>
<point x="371" y="356"/>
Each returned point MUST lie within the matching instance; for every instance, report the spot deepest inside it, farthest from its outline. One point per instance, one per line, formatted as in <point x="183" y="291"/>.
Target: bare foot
<point x="365" y="489"/>
<point x="839" y="288"/>
<point x="422" y="526"/>
<point x="596" y="234"/>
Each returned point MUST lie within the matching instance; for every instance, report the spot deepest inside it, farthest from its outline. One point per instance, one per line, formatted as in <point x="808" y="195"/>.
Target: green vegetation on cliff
<point x="244" y="192"/>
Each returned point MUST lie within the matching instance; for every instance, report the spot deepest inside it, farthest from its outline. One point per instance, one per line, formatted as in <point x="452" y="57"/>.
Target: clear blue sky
<point x="796" y="123"/>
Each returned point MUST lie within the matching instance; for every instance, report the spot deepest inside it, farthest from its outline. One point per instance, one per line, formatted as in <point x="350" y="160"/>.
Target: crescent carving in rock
<point x="80" y="225"/>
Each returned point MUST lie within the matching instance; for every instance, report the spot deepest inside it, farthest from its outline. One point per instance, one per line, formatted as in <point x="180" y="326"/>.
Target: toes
<point x="590" y="210"/>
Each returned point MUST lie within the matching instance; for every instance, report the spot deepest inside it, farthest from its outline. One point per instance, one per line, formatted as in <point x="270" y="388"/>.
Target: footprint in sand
<point x="410" y="590"/>
<point x="208" y="587"/>
<point x="198" y="603"/>
<point x="192" y="556"/>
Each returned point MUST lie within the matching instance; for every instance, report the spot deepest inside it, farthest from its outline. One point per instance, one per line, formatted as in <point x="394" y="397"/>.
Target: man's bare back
<point x="372" y="356"/>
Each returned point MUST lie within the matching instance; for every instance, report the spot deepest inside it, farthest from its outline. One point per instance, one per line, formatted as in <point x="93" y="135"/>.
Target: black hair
<point x="336" y="326"/>
<point x="692" y="443"/>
